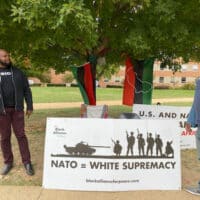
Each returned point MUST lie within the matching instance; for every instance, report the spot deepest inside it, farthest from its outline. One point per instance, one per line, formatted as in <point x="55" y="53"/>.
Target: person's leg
<point x="156" y="151"/>
<point x="147" y="150"/>
<point x="132" y="150"/>
<point x="160" y="151"/>
<point x="143" y="150"/>
<point x="127" y="150"/>
<point x="198" y="142"/>
<point x="139" y="149"/>
<point x="151" y="151"/>
<point x="5" y="131"/>
<point x="18" y="127"/>
<point x="197" y="136"/>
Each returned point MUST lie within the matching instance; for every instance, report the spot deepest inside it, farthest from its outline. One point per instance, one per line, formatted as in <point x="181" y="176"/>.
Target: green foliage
<point x="68" y="78"/>
<point x="52" y="33"/>
<point x="44" y="76"/>
<point x="165" y="30"/>
<point x="107" y="70"/>
<point x="161" y="87"/>
<point x="56" y="85"/>
<point x="60" y="31"/>
<point x="188" y="86"/>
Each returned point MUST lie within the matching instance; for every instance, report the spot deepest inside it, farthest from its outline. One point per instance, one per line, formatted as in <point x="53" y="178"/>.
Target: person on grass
<point x="14" y="88"/>
<point x="193" y="119"/>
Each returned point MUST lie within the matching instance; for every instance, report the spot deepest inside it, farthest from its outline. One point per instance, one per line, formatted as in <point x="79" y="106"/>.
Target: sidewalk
<point x="109" y="103"/>
<point x="38" y="193"/>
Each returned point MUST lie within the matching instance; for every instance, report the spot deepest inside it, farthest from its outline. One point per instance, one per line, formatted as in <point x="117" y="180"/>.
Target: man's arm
<point x="191" y="122"/>
<point x="28" y="97"/>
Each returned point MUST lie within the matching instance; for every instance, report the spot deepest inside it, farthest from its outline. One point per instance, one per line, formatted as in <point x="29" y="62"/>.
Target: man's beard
<point x="6" y="65"/>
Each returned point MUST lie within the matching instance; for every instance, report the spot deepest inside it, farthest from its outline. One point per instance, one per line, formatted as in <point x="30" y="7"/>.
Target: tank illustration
<point x="82" y="148"/>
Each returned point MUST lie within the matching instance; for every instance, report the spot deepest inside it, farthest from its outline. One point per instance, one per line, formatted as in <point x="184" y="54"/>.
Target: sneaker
<point x="193" y="190"/>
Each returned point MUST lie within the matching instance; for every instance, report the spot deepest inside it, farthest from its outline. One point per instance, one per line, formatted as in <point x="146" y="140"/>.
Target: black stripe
<point x="80" y="76"/>
<point x="138" y="68"/>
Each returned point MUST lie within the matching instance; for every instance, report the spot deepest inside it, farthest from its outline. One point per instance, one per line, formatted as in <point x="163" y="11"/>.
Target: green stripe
<point x="147" y="77"/>
<point x="82" y="90"/>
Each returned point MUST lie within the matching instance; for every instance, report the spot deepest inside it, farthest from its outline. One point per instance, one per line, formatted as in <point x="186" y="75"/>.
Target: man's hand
<point x="28" y="113"/>
<point x="188" y="127"/>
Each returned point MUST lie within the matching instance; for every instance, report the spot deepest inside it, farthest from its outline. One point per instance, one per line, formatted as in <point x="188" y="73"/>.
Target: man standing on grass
<point x="14" y="88"/>
<point x="194" y="121"/>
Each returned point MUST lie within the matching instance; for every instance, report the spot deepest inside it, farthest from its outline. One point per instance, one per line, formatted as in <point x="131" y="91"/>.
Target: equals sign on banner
<point x="83" y="165"/>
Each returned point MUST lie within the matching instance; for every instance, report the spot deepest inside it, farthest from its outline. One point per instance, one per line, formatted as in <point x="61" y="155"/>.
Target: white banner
<point x="111" y="154"/>
<point x="169" y="112"/>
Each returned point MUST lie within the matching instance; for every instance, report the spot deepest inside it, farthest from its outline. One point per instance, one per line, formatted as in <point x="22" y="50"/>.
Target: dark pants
<point x="129" y="148"/>
<point x="16" y="120"/>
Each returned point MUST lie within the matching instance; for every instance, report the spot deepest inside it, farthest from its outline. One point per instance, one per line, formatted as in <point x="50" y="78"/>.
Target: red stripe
<point x="129" y="84"/>
<point x="88" y="82"/>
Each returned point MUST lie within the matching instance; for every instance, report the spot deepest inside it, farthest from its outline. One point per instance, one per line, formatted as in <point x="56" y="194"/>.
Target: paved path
<point x="109" y="103"/>
<point x="38" y="193"/>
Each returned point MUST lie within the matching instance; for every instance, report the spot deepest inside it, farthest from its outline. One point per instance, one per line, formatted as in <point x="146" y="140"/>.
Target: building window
<point x="161" y="79"/>
<point x="195" y="67"/>
<point x="183" y="79"/>
<point x="172" y="79"/>
<point x="162" y="67"/>
<point x="117" y="79"/>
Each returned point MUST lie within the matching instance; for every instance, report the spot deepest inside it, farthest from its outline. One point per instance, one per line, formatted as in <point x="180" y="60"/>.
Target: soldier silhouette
<point x="117" y="148"/>
<point x="141" y="143"/>
<point x="168" y="149"/>
<point x="159" y="145"/>
<point x="150" y="143"/>
<point x="131" y="142"/>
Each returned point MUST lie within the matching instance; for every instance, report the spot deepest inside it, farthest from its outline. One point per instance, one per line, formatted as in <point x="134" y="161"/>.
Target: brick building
<point x="116" y="79"/>
<point x="189" y="72"/>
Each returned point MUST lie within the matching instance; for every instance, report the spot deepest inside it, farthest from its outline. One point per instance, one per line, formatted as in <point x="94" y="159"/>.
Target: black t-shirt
<point x="7" y="87"/>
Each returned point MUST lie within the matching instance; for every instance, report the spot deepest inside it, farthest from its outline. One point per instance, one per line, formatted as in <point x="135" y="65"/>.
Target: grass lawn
<point x="177" y="104"/>
<point x="35" y="126"/>
<point x="159" y="94"/>
<point x="72" y="94"/>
